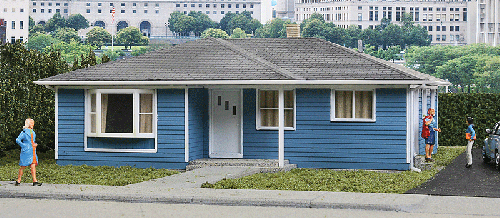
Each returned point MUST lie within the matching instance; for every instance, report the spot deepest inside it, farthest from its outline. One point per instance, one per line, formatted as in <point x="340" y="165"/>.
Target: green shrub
<point x="454" y="109"/>
<point x="20" y="98"/>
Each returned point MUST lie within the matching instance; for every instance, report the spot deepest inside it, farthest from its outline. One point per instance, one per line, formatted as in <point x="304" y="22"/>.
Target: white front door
<point x="225" y="124"/>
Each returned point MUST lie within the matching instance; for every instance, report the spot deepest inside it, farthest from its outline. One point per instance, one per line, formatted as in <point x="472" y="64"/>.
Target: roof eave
<point x="243" y="82"/>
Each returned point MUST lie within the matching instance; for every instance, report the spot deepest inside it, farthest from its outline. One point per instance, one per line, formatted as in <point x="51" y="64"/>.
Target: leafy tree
<point x="70" y="51"/>
<point x="36" y="29"/>
<point x="334" y="34"/>
<point x="215" y="33"/>
<point x="313" y="28"/>
<point x="105" y="59"/>
<point x="201" y="22"/>
<point x="41" y="41"/>
<point x="224" y="22"/>
<point x="185" y="25"/>
<point x="174" y="17"/>
<point x="131" y="36"/>
<point x="353" y="34"/>
<point x="392" y="36"/>
<point x="371" y="37"/>
<point x="488" y="73"/>
<point x="275" y="28"/>
<point x="239" y="33"/>
<point x="66" y="34"/>
<point x="55" y="23"/>
<point x="77" y="22"/>
<point x="20" y="98"/>
<point x="97" y="37"/>
<point x="31" y="22"/>
<point x="459" y="71"/>
<point x="86" y="60"/>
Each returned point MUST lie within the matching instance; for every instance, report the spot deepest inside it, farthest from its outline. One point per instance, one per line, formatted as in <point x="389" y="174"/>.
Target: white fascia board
<point x="241" y="82"/>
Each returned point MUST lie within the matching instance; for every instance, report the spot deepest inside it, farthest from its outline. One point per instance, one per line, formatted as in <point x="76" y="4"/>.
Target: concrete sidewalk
<point x="184" y="188"/>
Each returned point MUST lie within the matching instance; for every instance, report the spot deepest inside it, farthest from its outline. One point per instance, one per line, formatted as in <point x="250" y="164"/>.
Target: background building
<point x="484" y="18"/>
<point x="151" y="17"/>
<point x="446" y="22"/>
<point x="2" y="32"/>
<point x="16" y="19"/>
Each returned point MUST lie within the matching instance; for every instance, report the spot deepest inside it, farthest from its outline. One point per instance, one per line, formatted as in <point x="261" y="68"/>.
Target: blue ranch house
<point x="312" y="102"/>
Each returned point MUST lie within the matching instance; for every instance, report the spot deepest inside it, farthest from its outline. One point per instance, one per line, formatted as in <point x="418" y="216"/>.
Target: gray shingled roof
<point x="247" y="59"/>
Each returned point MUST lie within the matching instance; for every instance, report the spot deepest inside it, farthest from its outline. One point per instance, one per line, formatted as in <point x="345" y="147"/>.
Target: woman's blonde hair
<point x="27" y="123"/>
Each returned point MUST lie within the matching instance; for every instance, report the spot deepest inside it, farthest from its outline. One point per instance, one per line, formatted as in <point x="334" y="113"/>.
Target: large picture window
<point x="268" y="110"/>
<point x="353" y="105"/>
<point x="121" y="113"/>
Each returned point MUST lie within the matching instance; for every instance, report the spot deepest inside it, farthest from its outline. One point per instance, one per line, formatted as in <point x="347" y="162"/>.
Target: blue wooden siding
<point x="120" y="143"/>
<point x="261" y="144"/>
<point x="198" y="123"/>
<point x="319" y="143"/>
<point x="170" y="152"/>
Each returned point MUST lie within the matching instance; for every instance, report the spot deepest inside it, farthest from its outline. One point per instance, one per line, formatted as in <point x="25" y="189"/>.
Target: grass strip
<point x="49" y="172"/>
<point x="362" y="181"/>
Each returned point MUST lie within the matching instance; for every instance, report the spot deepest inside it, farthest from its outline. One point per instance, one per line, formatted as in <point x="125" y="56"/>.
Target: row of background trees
<point x="472" y="68"/>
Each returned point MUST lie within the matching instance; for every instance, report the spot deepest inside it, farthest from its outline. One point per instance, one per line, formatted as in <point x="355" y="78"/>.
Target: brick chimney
<point x="292" y="30"/>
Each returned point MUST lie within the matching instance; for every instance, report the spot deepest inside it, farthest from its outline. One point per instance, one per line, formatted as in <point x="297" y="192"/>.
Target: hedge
<point x="20" y="98"/>
<point x="454" y="108"/>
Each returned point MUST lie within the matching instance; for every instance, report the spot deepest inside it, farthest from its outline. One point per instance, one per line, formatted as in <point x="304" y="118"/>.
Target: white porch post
<point x="281" y="132"/>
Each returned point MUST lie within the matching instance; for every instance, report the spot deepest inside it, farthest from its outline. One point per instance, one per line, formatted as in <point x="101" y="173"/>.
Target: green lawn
<point x="49" y="172"/>
<point x="341" y="180"/>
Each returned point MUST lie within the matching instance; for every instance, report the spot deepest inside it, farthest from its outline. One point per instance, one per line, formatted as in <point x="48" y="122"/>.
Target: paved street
<point x="482" y="180"/>
<point x="10" y="207"/>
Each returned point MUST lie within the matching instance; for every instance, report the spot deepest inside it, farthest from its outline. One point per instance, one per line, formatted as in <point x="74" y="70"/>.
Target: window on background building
<point x="34" y="10"/>
<point x="65" y="4"/>
<point x="65" y="11"/>
<point x="145" y="11"/>
<point x="59" y="10"/>
<point x="443" y="28"/>
<point x="438" y="38"/>
<point x="12" y="40"/>
<point x="207" y="12"/>
<point x="122" y="11"/>
<point x="438" y="28"/>
<point x="193" y="5"/>
<point x="457" y="28"/>
<point x="21" y="24"/>
<point x="222" y="12"/>
<point x="443" y="38"/>
<point x="360" y="7"/>
<point x="21" y="39"/>
<point x="157" y="11"/>
<point x="157" y="5"/>
<point x="42" y="10"/>
<point x="13" y="26"/>
<point x="237" y="5"/>
<point x="244" y="6"/>
<point x="111" y="4"/>
<point x="120" y="114"/>
<point x="430" y="28"/>
<point x="457" y="17"/>
<point x="215" y="5"/>
<point x="200" y="5"/>
<point x="465" y="15"/>
<point x="207" y="6"/>
<point x="145" y="4"/>
<point x="251" y="6"/>
<point x="50" y="11"/>
<point x="134" y="11"/>
<point x="88" y="11"/>
<point x="360" y="16"/>
<point x="268" y="109"/>
<point x="34" y="3"/>
<point x="88" y="4"/>
<point x="177" y="5"/>
<point x="237" y="12"/>
<point x="452" y="28"/>
<point x="99" y="4"/>
<point x="42" y="4"/>
<point x="214" y="12"/>
<point x="122" y="4"/>
<point x="59" y="4"/>
<point x="50" y="3"/>
<point x="352" y="105"/>
<point x="222" y="5"/>
<point x="228" y="5"/>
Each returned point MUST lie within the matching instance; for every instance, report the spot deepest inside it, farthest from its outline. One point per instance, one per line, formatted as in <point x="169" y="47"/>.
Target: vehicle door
<point x="493" y="140"/>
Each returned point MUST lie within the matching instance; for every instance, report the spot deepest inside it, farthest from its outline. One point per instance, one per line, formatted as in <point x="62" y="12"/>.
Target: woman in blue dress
<point x="28" y="155"/>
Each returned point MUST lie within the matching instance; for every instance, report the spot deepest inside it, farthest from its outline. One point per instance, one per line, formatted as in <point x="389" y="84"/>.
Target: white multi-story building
<point x="150" y="16"/>
<point x="16" y="17"/>
<point x="446" y="21"/>
<point x="484" y="18"/>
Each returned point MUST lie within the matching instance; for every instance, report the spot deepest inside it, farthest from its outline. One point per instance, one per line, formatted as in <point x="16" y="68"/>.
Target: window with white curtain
<point x="268" y="110"/>
<point x="121" y="113"/>
<point x="353" y="105"/>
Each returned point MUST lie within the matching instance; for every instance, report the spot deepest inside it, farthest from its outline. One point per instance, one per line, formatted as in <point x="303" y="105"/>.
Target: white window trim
<point x="257" y="106"/>
<point x="136" y="105"/>
<point x="332" y="106"/>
